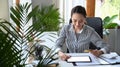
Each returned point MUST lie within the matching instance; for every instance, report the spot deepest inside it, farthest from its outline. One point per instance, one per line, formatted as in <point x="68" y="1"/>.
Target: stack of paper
<point x="112" y="58"/>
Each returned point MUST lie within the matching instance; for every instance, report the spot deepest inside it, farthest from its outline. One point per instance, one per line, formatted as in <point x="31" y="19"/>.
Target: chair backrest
<point x="96" y="23"/>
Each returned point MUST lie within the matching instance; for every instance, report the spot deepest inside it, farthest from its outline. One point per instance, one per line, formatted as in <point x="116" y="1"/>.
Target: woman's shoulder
<point x="66" y="26"/>
<point x="87" y="27"/>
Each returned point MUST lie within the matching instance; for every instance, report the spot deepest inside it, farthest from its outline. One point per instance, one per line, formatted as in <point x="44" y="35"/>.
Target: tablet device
<point x="83" y="59"/>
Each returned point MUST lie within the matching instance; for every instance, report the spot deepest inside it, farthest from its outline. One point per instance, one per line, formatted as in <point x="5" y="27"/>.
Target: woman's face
<point x="78" y="20"/>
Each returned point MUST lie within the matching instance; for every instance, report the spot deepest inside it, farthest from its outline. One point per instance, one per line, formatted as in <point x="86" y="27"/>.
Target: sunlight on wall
<point x="67" y="5"/>
<point x="4" y="12"/>
<point x="105" y="8"/>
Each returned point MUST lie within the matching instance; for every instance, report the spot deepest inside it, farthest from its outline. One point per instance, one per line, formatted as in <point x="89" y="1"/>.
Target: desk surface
<point x="65" y="64"/>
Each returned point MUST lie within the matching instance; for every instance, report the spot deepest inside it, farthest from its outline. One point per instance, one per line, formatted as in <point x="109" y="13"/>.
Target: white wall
<point x="4" y="9"/>
<point x="4" y="6"/>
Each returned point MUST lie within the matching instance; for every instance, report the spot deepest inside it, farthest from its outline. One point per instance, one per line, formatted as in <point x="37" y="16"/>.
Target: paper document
<point x="110" y="55"/>
<point x="112" y="58"/>
<point x="94" y="61"/>
<point x="82" y="59"/>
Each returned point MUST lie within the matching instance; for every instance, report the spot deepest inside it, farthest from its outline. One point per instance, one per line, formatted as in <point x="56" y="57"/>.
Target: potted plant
<point x="48" y="18"/>
<point x="16" y="36"/>
<point x="109" y="24"/>
<point x="110" y="30"/>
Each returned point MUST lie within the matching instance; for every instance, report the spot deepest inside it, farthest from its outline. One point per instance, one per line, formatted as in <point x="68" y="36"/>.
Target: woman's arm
<point x="59" y="43"/>
<point x="98" y="41"/>
<point x="61" y="39"/>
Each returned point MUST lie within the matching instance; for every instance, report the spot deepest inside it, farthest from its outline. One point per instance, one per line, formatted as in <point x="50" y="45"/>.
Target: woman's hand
<point x="97" y="53"/>
<point x="63" y="56"/>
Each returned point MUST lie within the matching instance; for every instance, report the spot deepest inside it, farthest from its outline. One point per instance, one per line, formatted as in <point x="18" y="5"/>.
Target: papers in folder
<point x="112" y="58"/>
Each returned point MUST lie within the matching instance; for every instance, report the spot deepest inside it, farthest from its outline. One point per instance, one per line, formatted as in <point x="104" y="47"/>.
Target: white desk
<point x="65" y="64"/>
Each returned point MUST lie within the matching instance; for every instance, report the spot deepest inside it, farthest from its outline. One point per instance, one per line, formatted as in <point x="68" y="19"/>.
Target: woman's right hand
<point x="63" y="56"/>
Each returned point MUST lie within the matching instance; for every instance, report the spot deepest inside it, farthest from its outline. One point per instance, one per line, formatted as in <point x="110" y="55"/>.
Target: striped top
<point x="77" y="43"/>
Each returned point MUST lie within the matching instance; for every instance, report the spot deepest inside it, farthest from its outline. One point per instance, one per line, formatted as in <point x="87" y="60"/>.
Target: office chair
<point x="96" y="23"/>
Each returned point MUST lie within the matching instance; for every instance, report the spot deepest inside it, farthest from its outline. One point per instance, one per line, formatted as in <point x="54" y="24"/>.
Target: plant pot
<point x="113" y="40"/>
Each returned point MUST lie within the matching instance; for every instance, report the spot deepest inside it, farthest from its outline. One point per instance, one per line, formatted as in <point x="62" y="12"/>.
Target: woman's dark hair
<point x="78" y="9"/>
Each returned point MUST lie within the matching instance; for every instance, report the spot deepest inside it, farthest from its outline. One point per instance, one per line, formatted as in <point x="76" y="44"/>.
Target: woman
<point x="77" y="36"/>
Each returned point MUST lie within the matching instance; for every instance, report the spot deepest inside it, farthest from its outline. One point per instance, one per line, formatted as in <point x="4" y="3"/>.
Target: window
<point x="108" y="8"/>
<point x="67" y="5"/>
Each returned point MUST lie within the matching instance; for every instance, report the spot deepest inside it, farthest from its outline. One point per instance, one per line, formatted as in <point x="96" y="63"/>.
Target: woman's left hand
<point x="97" y="53"/>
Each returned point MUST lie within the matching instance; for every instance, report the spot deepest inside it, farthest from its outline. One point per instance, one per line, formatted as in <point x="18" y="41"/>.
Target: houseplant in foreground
<point x="16" y="36"/>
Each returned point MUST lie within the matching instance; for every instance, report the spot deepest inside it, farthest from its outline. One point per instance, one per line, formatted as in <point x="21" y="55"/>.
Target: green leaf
<point x="15" y="36"/>
<point x="108" y="21"/>
<point x="111" y="26"/>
